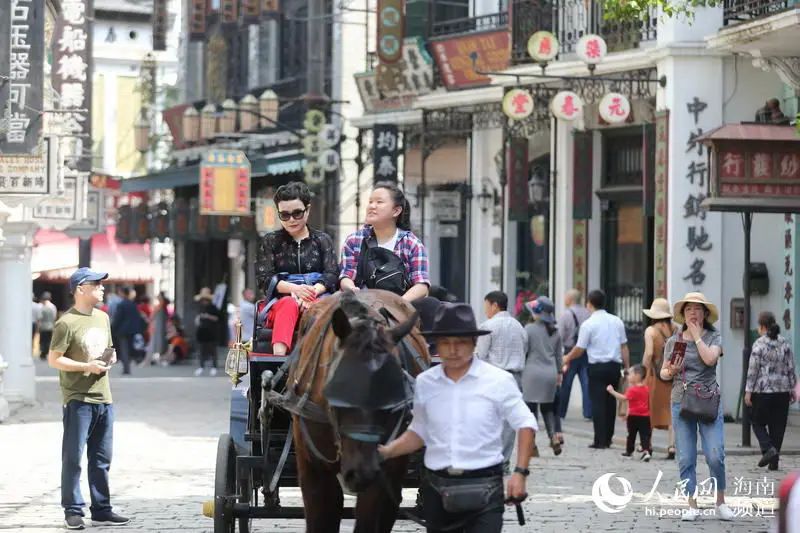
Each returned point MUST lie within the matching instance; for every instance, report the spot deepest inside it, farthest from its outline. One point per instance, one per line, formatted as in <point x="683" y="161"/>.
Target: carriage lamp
<point x="141" y="134"/>
<point x="236" y="363"/>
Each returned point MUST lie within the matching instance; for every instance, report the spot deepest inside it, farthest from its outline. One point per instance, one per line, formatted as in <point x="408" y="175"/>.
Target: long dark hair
<point x="767" y="320"/>
<point x="399" y="199"/>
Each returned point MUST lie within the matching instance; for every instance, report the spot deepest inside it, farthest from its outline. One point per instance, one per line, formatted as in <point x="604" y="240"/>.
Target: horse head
<point x="367" y="392"/>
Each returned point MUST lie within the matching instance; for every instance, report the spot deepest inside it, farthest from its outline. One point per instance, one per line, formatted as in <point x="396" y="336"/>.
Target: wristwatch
<point x="524" y="471"/>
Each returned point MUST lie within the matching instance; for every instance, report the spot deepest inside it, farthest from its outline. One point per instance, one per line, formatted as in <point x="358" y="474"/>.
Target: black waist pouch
<point x="467" y="494"/>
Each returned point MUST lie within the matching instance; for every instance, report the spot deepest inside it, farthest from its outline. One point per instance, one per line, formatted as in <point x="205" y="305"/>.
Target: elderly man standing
<point x="459" y="410"/>
<point x="504" y="347"/>
<point x="569" y="324"/>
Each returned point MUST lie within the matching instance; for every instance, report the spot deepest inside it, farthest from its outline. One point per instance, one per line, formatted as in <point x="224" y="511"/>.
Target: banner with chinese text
<point x="225" y="183"/>
<point x="660" y="206"/>
<point x="385" y="150"/>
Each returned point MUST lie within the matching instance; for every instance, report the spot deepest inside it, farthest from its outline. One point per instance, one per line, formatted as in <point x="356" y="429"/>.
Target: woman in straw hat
<point x="655" y="336"/>
<point x="697" y="366"/>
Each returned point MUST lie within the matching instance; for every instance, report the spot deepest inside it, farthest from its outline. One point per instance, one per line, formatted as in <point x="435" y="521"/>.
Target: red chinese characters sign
<point x="225" y="183"/>
<point x="758" y="169"/>
<point x="661" y="211"/>
<point x="455" y="64"/>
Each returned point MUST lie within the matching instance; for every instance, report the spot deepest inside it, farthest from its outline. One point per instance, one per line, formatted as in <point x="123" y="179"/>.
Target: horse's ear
<point x="404" y="328"/>
<point x="341" y="324"/>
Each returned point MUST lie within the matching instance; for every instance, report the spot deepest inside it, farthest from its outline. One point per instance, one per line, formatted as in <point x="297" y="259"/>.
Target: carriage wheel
<point x="224" y="483"/>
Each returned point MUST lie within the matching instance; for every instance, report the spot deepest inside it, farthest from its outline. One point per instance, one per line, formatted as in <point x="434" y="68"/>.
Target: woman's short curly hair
<point x="294" y="190"/>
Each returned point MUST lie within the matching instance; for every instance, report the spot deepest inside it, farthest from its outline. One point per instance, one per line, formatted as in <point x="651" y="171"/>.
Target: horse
<point x="349" y="366"/>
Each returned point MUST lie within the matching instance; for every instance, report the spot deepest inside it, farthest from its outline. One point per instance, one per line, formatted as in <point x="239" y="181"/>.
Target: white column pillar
<point x="561" y="245"/>
<point x="15" y="311"/>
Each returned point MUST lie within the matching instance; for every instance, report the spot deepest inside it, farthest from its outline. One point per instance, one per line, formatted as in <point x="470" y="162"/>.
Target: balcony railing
<point x="492" y="21"/>
<point x="737" y="11"/>
<point x="570" y="20"/>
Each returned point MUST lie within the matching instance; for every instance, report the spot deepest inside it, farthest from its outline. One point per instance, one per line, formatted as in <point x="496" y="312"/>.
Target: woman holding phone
<point x="690" y="361"/>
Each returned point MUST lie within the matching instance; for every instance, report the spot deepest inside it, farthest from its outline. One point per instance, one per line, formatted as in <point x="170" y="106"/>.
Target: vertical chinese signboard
<point x="391" y="22"/>
<point x="660" y="206"/>
<point x="72" y="78"/>
<point x="580" y="246"/>
<point x="22" y="48"/>
<point x="225" y="183"/>
<point x="582" y="175"/>
<point x="517" y="175"/>
<point x="160" y="20"/>
<point x="385" y="151"/>
<point x="197" y="20"/>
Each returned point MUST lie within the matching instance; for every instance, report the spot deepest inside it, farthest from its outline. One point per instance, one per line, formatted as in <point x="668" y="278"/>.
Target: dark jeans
<point x="90" y="426"/>
<point x="548" y="413"/>
<point x="580" y="368"/>
<point x="488" y="522"/>
<point x="208" y="350"/>
<point x="641" y="425"/>
<point x="770" y="413"/>
<point x="604" y="405"/>
<point x="44" y="343"/>
<point x="125" y="352"/>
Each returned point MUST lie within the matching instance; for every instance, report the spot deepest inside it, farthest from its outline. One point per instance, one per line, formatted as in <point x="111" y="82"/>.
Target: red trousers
<point x="282" y="319"/>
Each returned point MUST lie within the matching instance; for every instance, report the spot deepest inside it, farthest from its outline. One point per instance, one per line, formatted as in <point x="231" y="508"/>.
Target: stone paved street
<point x="165" y="444"/>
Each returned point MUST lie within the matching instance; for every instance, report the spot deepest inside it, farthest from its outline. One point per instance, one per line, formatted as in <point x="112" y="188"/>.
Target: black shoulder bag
<point x="379" y="268"/>
<point x="699" y="402"/>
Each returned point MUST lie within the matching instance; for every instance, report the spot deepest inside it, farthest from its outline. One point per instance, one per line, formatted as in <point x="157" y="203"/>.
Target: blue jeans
<point x="90" y="426"/>
<point x="579" y="367"/>
<point x="712" y="439"/>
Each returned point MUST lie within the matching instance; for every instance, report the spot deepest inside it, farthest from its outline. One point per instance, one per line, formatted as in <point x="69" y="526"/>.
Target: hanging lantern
<point x="268" y="108"/>
<point x="518" y="104"/>
<point x="141" y="134"/>
<point x="227" y="122"/>
<point x="543" y="46"/>
<point x="591" y="49"/>
<point x="248" y="116"/>
<point x="566" y="105"/>
<point x="190" y="125"/>
<point x="614" y="108"/>
<point x="208" y="121"/>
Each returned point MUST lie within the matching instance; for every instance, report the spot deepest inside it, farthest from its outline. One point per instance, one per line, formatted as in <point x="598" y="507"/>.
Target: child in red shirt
<point x="638" y="397"/>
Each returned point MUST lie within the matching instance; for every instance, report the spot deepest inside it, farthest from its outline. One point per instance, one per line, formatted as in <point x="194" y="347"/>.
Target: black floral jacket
<point x="279" y="252"/>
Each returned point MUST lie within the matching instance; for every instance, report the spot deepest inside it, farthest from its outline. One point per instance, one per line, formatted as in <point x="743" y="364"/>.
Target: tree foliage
<point x="633" y="10"/>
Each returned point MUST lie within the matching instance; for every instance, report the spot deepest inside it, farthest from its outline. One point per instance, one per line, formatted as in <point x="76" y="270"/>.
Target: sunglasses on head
<point x="297" y="214"/>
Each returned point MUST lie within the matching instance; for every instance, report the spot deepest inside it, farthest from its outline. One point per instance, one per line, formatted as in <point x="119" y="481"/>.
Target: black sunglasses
<point x="297" y="214"/>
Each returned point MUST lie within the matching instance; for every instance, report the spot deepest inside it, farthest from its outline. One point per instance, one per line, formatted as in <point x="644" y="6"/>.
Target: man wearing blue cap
<point x="81" y="349"/>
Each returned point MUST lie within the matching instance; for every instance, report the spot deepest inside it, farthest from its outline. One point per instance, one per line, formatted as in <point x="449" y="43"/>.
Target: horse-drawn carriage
<point x="350" y="383"/>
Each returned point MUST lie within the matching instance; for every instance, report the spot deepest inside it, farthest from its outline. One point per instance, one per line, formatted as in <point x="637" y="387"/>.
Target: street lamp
<point x="227" y="121"/>
<point x="268" y="106"/>
<point x="208" y="121"/>
<point x="487" y="199"/>
<point x="141" y="134"/>
<point x="248" y="119"/>
<point x="190" y="125"/>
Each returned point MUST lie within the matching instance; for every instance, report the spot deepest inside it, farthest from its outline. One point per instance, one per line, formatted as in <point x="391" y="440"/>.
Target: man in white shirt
<point x="603" y="339"/>
<point x="459" y="410"/>
<point x="504" y="347"/>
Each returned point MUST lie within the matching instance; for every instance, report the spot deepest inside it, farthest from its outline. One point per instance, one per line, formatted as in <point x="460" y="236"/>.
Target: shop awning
<point x="752" y="132"/>
<point x="275" y="164"/>
<point x="55" y="257"/>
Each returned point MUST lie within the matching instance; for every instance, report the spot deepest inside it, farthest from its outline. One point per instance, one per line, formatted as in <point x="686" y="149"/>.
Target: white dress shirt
<point x="461" y="422"/>
<point x="506" y="345"/>
<point x="602" y="336"/>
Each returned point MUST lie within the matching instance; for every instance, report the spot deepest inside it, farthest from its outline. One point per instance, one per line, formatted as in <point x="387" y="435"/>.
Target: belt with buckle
<point x="455" y="471"/>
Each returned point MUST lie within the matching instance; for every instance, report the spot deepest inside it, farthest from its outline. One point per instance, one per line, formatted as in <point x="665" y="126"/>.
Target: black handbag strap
<point x="368" y="242"/>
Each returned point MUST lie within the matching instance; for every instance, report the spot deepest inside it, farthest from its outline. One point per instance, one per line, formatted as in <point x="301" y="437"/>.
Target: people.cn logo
<point x="606" y="499"/>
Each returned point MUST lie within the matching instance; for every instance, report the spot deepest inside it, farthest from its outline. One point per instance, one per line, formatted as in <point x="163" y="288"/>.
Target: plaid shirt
<point x="408" y="248"/>
<point x="771" y="366"/>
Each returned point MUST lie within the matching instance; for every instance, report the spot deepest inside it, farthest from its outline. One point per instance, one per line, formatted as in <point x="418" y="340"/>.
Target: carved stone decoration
<point x="787" y="68"/>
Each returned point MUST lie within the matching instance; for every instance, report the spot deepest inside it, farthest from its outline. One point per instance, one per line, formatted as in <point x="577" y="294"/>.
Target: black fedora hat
<point x="454" y="320"/>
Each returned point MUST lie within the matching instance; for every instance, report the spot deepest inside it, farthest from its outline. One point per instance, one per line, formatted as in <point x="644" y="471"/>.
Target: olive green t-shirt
<point x="83" y="338"/>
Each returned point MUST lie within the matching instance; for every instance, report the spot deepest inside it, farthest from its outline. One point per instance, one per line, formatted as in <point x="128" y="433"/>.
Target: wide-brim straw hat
<point x="697" y="298"/>
<point x="204" y="294"/>
<point x="659" y="310"/>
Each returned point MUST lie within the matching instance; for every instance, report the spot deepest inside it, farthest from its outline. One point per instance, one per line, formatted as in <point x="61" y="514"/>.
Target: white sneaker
<point x="690" y="514"/>
<point x="199" y="371"/>
<point x="646" y="457"/>
<point x="725" y="513"/>
<point x="213" y="372"/>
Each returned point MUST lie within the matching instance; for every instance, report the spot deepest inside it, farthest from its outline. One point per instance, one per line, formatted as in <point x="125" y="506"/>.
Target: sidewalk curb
<point x="569" y="429"/>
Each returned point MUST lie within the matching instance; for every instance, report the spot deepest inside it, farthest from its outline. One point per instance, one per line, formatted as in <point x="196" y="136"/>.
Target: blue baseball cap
<point x="84" y="274"/>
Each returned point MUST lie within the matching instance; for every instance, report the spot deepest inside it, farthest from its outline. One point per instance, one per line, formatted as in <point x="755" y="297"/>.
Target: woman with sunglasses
<point x="387" y="229"/>
<point x="294" y="249"/>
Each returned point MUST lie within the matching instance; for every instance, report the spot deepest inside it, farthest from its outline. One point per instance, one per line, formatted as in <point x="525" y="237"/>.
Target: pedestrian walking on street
<point x="504" y="348"/>
<point x="293" y="250"/>
<point x="543" y="364"/>
<point x="159" y="317"/>
<point x="36" y="312"/>
<point x="385" y="254"/>
<point x="569" y="324"/>
<point x="459" y="409"/>
<point x="602" y="337"/>
<point x="47" y="321"/>
<point x="206" y="331"/>
<point x="80" y="346"/>
<point x="655" y="336"/>
<point x="771" y="380"/>
<point x="126" y="323"/>
<point x="637" y="397"/>
<point x="690" y="361"/>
